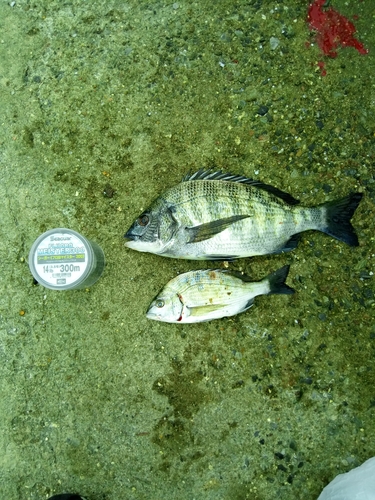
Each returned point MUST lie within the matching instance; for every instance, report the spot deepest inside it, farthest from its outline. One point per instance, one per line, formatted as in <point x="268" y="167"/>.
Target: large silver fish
<point x="204" y="295"/>
<point x="218" y="216"/>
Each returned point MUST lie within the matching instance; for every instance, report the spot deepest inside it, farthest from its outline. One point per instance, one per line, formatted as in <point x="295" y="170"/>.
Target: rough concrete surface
<point x="103" y="105"/>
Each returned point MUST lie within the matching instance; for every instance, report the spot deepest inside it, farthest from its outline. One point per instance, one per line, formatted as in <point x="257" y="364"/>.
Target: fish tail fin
<point x="277" y="283"/>
<point x="338" y="215"/>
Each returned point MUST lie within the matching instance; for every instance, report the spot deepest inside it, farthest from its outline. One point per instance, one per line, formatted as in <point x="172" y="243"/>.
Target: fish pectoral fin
<point x="203" y="310"/>
<point x="209" y="229"/>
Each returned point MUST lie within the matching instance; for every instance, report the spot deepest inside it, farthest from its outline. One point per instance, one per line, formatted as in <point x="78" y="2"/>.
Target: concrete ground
<point x="103" y="105"/>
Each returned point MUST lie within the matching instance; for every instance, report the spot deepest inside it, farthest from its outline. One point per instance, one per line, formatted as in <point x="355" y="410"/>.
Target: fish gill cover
<point x="333" y="30"/>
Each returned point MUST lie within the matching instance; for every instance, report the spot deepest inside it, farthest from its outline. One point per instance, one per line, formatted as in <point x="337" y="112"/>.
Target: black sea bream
<point x="219" y="216"/>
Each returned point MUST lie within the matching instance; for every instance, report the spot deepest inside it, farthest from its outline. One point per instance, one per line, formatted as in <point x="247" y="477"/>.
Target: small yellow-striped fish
<point x="218" y="216"/>
<point x="204" y="295"/>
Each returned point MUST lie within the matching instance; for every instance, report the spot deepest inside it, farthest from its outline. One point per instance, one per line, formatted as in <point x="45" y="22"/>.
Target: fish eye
<point x="160" y="303"/>
<point x="143" y="220"/>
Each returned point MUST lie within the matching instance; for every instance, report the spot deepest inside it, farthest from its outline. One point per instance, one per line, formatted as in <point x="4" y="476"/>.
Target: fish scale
<point x="221" y="198"/>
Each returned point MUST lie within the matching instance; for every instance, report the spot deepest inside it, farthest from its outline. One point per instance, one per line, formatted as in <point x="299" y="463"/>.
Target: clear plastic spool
<point x="62" y="259"/>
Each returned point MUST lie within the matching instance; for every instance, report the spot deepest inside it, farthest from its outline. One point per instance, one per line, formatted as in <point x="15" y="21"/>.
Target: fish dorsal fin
<point x="210" y="175"/>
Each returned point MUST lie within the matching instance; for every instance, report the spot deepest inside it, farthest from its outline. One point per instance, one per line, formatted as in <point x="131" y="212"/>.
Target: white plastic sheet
<point x="357" y="484"/>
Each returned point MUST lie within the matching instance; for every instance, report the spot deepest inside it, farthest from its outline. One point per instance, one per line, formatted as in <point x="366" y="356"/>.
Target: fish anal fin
<point x="291" y="244"/>
<point x="249" y="304"/>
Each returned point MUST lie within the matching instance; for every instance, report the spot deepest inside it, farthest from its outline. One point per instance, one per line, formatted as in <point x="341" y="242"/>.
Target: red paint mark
<point x="333" y="30"/>
<point x="321" y="65"/>
<point x="182" y="303"/>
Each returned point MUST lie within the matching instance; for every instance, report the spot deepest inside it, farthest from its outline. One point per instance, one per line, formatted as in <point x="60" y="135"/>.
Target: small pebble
<point x="274" y="42"/>
<point x="262" y="110"/>
<point x="108" y="191"/>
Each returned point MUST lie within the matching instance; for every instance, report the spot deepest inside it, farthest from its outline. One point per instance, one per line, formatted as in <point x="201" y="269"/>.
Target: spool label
<point x="60" y="259"/>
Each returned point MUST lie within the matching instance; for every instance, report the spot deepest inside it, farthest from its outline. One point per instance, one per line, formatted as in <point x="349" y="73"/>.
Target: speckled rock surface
<point x="103" y="106"/>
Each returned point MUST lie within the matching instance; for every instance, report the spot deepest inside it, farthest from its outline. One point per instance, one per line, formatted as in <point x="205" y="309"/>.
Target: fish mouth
<point x="152" y="315"/>
<point x="132" y="239"/>
<point x="131" y="244"/>
<point x="129" y="235"/>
